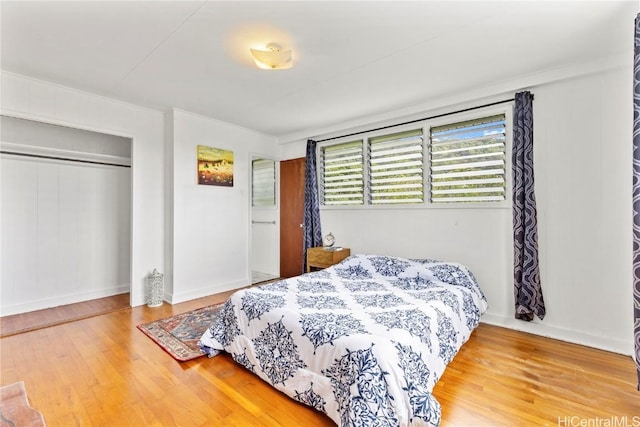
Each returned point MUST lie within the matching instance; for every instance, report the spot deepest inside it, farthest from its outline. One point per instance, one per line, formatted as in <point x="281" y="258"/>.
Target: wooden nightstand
<point x="322" y="258"/>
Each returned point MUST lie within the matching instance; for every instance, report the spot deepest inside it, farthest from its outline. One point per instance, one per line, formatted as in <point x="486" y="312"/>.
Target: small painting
<point x="215" y="166"/>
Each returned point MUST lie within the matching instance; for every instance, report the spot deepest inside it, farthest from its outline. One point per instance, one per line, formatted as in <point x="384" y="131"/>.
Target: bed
<point x="363" y="341"/>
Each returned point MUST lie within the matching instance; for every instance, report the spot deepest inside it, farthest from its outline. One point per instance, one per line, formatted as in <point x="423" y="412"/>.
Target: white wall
<point x="210" y="232"/>
<point x="37" y="100"/>
<point x="583" y="135"/>
<point x="583" y="186"/>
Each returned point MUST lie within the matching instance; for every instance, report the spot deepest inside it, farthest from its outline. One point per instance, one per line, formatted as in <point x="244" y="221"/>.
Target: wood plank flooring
<point x="24" y="322"/>
<point x="102" y="371"/>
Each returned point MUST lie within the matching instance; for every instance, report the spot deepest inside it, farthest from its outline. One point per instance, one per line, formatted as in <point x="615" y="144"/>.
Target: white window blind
<point x="396" y="168"/>
<point x="341" y="174"/>
<point x="263" y="181"/>
<point x="468" y="161"/>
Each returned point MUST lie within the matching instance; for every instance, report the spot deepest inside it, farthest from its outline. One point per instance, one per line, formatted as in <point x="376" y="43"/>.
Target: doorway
<point x="66" y="215"/>
<point x="265" y="227"/>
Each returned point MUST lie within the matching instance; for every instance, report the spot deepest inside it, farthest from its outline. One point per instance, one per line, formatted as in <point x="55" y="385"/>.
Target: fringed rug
<point x="179" y="335"/>
<point x="15" y="409"/>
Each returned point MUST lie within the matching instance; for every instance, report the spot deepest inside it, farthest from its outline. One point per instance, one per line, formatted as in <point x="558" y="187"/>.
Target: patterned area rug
<point x="179" y="335"/>
<point x="15" y="409"/>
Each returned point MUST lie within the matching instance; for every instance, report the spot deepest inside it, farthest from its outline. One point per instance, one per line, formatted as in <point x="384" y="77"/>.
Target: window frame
<point x="276" y="165"/>
<point x="320" y="173"/>
<point x="426" y="125"/>
<point x="368" y="171"/>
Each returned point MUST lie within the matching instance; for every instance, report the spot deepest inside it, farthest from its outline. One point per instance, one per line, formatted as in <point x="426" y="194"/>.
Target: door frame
<point x="276" y="209"/>
<point x="135" y="292"/>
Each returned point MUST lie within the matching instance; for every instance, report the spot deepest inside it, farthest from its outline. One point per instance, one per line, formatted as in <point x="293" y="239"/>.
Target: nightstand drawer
<point x="322" y="258"/>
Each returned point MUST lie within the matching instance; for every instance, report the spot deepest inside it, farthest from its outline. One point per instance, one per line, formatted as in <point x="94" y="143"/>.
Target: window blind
<point x="468" y="161"/>
<point x="341" y="174"/>
<point x="263" y="182"/>
<point x="396" y="168"/>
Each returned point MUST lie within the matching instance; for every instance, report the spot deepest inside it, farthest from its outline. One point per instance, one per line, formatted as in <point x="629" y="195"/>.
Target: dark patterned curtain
<point x="527" y="289"/>
<point x="312" y="231"/>
<point x="636" y="194"/>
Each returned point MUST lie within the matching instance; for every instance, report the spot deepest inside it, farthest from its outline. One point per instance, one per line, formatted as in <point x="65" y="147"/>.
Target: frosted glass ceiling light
<point x="274" y="58"/>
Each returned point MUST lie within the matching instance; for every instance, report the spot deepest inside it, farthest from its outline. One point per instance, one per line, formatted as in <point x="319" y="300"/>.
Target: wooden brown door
<point x="291" y="216"/>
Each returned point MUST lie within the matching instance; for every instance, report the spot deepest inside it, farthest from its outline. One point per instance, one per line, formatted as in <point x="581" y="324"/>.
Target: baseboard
<point x="575" y="337"/>
<point x="59" y="300"/>
<point x="206" y="291"/>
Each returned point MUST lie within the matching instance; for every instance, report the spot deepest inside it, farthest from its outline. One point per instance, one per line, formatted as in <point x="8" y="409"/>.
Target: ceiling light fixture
<point x="274" y="58"/>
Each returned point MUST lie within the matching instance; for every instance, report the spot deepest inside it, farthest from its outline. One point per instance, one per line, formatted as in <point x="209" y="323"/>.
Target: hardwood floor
<point x="102" y="371"/>
<point x="24" y="322"/>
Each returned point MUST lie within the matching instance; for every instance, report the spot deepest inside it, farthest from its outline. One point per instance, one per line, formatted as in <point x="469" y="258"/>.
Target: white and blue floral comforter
<point x="363" y="341"/>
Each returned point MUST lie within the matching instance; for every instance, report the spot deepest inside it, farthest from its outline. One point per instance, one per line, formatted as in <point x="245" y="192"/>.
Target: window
<point x="263" y="182"/>
<point x="341" y="174"/>
<point x="395" y="168"/>
<point x="468" y="161"/>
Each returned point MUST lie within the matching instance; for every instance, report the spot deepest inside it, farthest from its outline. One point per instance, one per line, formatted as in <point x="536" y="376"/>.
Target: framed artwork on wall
<point x="215" y="166"/>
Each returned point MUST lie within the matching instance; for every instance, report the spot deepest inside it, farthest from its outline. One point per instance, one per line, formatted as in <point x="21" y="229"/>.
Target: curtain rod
<point x="62" y="158"/>
<point x="464" y="110"/>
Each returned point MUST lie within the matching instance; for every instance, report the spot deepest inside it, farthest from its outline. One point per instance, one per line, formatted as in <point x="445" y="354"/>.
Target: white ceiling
<point x="352" y="58"/>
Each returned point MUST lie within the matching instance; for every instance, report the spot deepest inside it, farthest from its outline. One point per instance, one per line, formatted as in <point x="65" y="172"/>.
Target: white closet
<point x="65" y="226"/>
